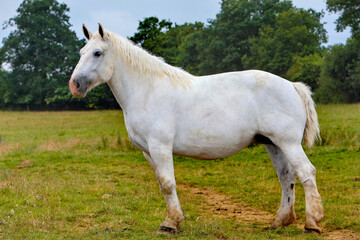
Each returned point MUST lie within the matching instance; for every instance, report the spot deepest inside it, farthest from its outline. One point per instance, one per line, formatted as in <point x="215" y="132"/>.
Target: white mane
<point x="145" y="65"/>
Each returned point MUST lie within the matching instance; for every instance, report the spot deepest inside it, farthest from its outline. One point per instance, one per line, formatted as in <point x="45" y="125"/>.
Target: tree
<point x="296" y="33"/>
<point x="164" y="40"/>
<point x="170" y="44"/>
<point x="349" y="14"/>
<point x="41" y="52"/>
<point x="306" y="69"/>
<point x="192" y="51"/>
<point x="223" y="44"/>
<point x="148" y="32"/>
<point x="3" y="86"/>
<point x="340" y="76"/>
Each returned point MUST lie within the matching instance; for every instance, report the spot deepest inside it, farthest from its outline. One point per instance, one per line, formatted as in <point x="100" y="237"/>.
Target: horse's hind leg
<point x="307" y="175"/>
<point x="162" y="163"/>
<point x="287" y="177"/>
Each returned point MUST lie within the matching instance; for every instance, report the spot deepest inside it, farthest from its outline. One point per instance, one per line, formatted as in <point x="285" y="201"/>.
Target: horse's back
<point x="252" y="91"/>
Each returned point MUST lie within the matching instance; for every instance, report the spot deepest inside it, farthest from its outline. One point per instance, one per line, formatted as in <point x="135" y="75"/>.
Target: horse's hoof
<point x="312" y="226"/>
<point x="284" y="221"/>
<point x="275" y="225"/>
<point x="166" y="230"/>
<point x="311" y="230"/>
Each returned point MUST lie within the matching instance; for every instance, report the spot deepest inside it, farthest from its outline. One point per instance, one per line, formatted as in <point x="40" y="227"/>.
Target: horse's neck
<point x="128" y="89"/>
<point x="134" y="81"/>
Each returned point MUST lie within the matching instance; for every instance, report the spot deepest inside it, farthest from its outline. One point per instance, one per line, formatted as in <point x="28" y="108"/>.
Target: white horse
<point x="169" y="111"/>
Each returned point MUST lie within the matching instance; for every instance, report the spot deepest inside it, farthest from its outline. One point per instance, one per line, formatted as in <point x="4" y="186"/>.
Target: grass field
<point x="75" y="175"/>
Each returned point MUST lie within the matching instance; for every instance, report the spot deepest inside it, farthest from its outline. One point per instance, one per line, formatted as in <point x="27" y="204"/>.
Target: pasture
<point x="75" y="175"/>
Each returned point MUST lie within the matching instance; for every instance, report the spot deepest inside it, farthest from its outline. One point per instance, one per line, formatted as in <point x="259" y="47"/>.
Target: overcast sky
<point x="123" y="16"/>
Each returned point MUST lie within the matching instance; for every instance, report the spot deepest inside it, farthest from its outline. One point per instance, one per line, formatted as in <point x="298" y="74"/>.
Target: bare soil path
<point x="222" y="205"/>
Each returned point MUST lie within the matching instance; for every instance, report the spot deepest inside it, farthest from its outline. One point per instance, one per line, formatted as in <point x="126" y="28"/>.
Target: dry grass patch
<point x="54" y="145"/>
<point x="8" y="148"/>
<point x="3" y="185"/>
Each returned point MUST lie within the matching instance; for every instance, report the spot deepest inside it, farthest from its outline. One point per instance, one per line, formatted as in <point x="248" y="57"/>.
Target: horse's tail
<point x="312" y="130"/>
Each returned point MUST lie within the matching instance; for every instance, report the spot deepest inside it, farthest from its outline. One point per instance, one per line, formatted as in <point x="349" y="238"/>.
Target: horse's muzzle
<point x="78" y="87"/>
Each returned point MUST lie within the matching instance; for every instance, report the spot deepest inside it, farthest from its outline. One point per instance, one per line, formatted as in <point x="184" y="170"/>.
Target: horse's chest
<point x="137" y="131"/>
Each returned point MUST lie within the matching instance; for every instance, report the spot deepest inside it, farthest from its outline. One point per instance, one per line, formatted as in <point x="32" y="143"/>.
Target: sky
<point x="123" y="16"/>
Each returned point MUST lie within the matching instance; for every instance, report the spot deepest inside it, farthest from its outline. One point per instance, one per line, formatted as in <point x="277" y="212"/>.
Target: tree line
<point x="38" y="57"/>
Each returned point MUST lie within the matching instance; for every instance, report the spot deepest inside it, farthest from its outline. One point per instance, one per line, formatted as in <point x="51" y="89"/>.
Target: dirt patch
<point x="223" y="206"/>
<point x="24" y="164"/>
<point x="341" y="234"/>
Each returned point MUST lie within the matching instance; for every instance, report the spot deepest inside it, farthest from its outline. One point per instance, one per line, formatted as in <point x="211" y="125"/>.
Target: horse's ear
<point x="103" y="35"/>
<point x="86" y="32"/>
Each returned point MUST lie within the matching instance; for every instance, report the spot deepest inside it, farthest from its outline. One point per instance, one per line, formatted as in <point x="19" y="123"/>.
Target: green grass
<point x="75" y="175"/>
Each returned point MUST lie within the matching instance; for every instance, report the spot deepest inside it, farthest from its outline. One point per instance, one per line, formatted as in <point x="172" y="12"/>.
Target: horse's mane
<point x="145" y="65"/>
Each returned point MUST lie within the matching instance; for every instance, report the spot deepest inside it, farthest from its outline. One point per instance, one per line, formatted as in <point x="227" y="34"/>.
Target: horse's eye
<point x="97" y="53"/>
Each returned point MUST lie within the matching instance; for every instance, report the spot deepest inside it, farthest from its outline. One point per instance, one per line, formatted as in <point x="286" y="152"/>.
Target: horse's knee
<point x="167" y="185"/>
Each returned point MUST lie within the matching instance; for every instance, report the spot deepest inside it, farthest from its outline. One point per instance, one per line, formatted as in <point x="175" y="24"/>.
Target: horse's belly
<point x="222" y="134"/>
<point x="208" y="153"/>
<point x="211" y="147"/>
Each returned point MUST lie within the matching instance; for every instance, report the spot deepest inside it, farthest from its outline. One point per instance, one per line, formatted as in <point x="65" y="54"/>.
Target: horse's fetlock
<point x="176" y="214"/>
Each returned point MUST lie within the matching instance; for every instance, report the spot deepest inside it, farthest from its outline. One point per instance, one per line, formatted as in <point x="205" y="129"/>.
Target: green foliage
<point x="340" y="76"/>
<point x="271" y="35"/>
<point x="223" y="44"/>
<point x="295" y="33"/>
<point x="3" y="86"/>
<point x="41" y="53"/>
<point x="101" y="97"/>
<point x="163" y="39"/>
<point x="193" y="50"/>
<point x="306" y="69"/>
<point x="171" y="43"/>
<point x="148" y="32"/>
<point x="349" y="14"/>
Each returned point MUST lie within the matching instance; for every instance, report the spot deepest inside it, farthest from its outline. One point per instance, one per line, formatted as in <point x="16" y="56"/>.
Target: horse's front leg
<point x="161" y="161"/>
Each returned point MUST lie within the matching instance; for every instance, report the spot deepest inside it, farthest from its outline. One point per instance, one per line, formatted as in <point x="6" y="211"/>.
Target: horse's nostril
<point x="77" y="84"/>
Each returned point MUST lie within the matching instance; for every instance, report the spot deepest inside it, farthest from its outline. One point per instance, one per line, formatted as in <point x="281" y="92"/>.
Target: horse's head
<point x="96" y="64"/>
